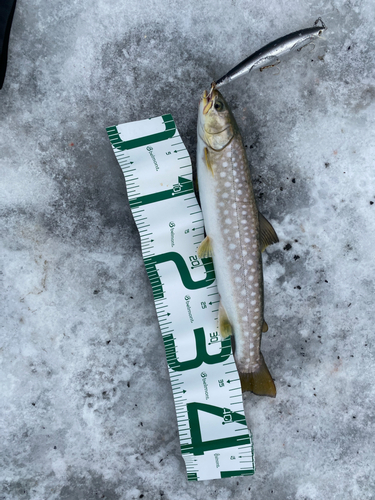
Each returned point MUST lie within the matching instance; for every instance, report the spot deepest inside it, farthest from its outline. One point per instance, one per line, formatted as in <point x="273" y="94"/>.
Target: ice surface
<point x="86" y="404"/>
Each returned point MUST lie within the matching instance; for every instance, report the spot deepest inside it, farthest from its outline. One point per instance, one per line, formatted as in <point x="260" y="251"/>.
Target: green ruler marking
<point x="215" y="441"/>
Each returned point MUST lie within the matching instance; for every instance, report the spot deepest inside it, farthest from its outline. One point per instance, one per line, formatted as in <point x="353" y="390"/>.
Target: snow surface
<point x="86" y="404"/>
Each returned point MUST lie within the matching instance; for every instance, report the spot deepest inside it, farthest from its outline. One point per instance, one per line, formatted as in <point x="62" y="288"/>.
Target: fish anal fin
<point x="264" y="327"/>
<point x="225" y="328"/>
<point x="268" y="235"/>
<point x="259" y="382"/>
<point x="205" y="248"/>
<point x="208" y="161"/>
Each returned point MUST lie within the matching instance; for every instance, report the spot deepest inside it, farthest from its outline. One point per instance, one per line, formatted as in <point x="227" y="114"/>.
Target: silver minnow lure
<point x="273" y="50"/>
<point x="236" y="235"/>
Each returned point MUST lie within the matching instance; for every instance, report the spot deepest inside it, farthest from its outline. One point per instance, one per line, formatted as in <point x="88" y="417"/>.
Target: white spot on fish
<point x="253" y="324"/>
<point x="246" y="335"/>
<point x="227" y="184"/>
<point x="229" y="154"/>
<point x="232" y="246"/>
<point x="223" y="174"/>
<point x="226" y="231"/>
<point x="253" y="293"/>
<point x="247" y="240"/>
<point x="244" y="318"/>
<point x="237" y="234"/>
<point x="226" y="212"/>
<point x="239" y="191"/>
<point x="237" y="267"/>
<point x="225" y="163"/>
<point x="243" y="292"/>
<point x="243" y="221"/>
<point x="241" y="305"/>
<point x="235" y="164"/>
<point x="221" y="203"/>
<point x="237" y="279"/>
<point x="225" y="195"/>
<point x="244" y="252"/>
<point x="249" y="262"/>
<point x="228" y="221"/>
<point x="256" y="309"/>
<point x="250" y="278"/>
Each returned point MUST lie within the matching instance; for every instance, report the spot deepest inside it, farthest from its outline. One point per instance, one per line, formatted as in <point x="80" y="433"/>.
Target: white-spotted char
<point x="236" y="236"/>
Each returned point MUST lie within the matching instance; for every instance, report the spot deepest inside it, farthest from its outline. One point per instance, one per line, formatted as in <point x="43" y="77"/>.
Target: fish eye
<point x="219" y="106"/>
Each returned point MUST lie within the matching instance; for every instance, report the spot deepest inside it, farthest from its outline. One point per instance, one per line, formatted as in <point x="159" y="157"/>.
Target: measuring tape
<point x="215" y="441"/>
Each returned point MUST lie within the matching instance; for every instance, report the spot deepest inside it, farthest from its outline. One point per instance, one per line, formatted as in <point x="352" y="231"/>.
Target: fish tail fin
<point x="259" y="382"/>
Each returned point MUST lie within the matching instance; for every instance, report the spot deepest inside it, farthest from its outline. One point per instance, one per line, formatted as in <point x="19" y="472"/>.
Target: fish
<point x="236" y="234"/>
<point x="273" y="50"/>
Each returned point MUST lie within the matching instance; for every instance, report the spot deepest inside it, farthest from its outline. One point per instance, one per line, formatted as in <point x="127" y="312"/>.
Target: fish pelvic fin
<point x="264" y="327"/>
<point x="205" y="248"/>
<point x="259" y="382"/>
<point x="268" y="235"/>
<point x="208" y="161"/>
<point x="225" y="328"/>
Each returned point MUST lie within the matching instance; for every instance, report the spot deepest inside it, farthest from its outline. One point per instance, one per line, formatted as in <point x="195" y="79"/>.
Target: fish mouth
<point x="207" y="100"/>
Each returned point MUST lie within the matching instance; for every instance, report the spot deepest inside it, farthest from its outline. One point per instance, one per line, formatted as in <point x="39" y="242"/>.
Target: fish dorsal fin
<point x="259" y="382"/>
<point x="225" y="328"/>
<point x="208" y="161"/>
<point x="268" y="235"/>
<point x="205" y="248"/>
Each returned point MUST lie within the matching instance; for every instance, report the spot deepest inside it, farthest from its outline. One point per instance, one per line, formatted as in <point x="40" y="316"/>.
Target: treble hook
<point x="270" y="66"/>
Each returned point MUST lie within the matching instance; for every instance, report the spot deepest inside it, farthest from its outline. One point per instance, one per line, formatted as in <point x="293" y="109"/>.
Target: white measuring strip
<point x="215" y="441"/>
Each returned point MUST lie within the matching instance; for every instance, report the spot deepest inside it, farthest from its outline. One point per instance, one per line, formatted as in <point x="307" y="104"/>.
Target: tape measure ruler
<point x="215" y="441"/>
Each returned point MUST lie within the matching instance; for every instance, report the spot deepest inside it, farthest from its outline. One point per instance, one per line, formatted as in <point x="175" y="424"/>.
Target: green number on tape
<point x="202" y="354"/>
<point x="197" y="446"/>
<point x="151" y="262"/>
<point x="118" y="143"/>
<point x="182" y="187"/>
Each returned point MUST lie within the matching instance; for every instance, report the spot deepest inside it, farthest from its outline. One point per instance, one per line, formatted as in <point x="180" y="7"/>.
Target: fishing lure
<point x="262" y="57"/>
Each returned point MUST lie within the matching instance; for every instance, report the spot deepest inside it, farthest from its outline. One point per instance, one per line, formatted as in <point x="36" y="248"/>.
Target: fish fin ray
<point x="225" y="328"/>
<point x="208" y="161"/>
<point x="268" y="235"/>
<point x="264" y="327"/>
<point x="259" y="382"/>
<point x="205" y="248"/>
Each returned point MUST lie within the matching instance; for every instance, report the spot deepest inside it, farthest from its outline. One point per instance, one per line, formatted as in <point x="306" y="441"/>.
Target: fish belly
<point x="231" y="222"/>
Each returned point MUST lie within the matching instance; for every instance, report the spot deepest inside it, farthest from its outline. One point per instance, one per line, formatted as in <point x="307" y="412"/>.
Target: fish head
<point x="216" y="124"/>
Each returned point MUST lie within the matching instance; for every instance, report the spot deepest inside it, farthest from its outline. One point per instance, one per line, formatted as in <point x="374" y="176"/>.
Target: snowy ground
<point x="86" y="404"/>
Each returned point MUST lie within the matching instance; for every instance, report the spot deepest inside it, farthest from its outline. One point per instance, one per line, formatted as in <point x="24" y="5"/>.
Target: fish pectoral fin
<point x="205" y="248"/>
<point x="207" y="161"/>
<point x="264" y="327"/>
<point x="225" y="328"/>
<point x="268" y="235"/>
<point x="259" y="382"/>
